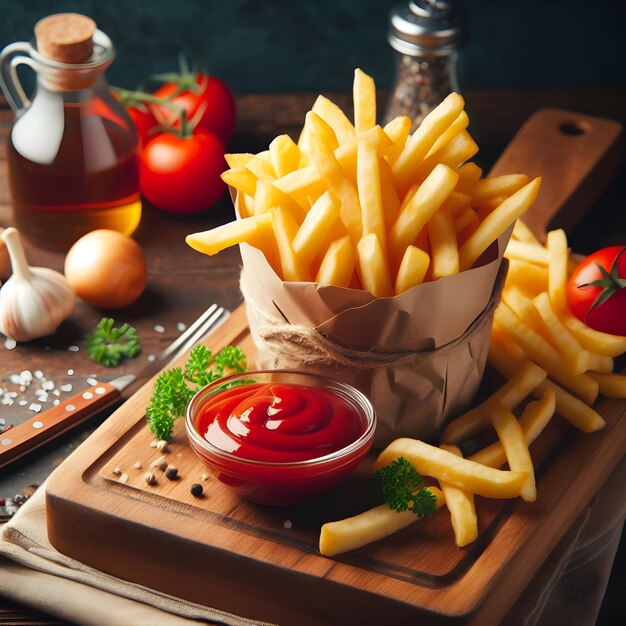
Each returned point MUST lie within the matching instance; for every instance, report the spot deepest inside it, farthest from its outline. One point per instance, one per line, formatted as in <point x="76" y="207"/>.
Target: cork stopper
<point x="65" y="37"/>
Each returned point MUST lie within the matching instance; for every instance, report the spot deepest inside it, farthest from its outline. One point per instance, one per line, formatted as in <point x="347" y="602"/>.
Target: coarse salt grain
<point x="159" y="329"/>
<point x="180" y="327"/>
<point x="70" y="372"/>
<point x="35" y="407"/>
<point x="47" y="385"/>
<point x="38" y="374"/>
<point x="151" y="357"/>
<point x="9" y="343"/>
<point x="67" y="387"/>
<point x="92" y="381"/>
<point x="73" y="348"/>
<point x="15" y="379"/>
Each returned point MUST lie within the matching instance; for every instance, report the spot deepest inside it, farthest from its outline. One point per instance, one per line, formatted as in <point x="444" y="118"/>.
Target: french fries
<point x="418" y="194"/>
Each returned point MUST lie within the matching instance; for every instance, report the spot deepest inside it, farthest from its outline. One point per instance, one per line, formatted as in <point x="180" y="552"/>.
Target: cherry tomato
<point x="143" y="120"/>
<point x="599" y="299"/>
<point x="182" y="174"/>
<point x="210" y="102"/>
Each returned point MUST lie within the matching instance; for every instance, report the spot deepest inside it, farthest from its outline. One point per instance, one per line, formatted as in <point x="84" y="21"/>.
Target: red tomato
<point x="143" y="120"/>
<point x="212" y="104"/>
<point x="182" y="175"/>
<point x="588" y="285"/>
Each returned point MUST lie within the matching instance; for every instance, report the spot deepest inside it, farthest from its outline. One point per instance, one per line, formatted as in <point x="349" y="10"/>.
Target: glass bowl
<point x="281" y="482"/>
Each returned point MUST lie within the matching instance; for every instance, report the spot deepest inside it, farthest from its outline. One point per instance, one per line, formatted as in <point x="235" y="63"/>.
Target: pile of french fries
<point x="356" y="205"/>
<point x="542" y="350"/>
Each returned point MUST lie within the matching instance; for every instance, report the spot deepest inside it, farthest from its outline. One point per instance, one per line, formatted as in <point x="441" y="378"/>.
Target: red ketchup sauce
<point x="280" y="422"/>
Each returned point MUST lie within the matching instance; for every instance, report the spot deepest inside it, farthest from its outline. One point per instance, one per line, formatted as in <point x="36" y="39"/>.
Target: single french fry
<point x="445" y="466"/>
<point x="337" y="267"/>
<point x="527" y="252"/>
<point x="397" y="130"/>
<point x="388" y="193"/>
<point x="268" y="196"/>
<point x="535" y="417"/>
<point x="318" y="221"/>
<point x="531" y="279"/>
<point x="422" y="140"/>
<point x="611" y="385"/>
<point x="285" y="155"/>
<point x="377" y="523"/>
<point x="238" y="159"/>
<point x="490" y="188"/>
<point x="523" y="382"/>
<point x="370" y="197"/>
<point x="545" y="355"/>
<point x="335" y="118"/>
<point x="241" y="179"/>
<point x="521" y="232"/>
<point x="511" y="436"/>
<point x="497" y="222"/>
<point x="285" y="229"/>
<point x="324" y="159"/>
<point x="364" y="97"/>
<point x="420" y="206"/>
<point x="443" y="245"/>
<point x="469" y="175"/>
<point x="575" y="411"/>
<point x="252" y="230"/>
<point x="412" y="269"/>
<point x="558" y="254"/>
<point x="459" y="124"/>
<point x="460" y="149"/>
<point x="374" y="271"/>
<point x="301" y="183"/>
<point x="462" y="510"/>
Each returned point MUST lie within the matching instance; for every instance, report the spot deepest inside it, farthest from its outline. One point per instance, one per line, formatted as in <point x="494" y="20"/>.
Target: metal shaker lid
<point x="427" y="26"/>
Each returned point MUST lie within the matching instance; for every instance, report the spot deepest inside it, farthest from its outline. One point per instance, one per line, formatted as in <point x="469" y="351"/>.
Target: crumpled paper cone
<point x="418" y="356"/>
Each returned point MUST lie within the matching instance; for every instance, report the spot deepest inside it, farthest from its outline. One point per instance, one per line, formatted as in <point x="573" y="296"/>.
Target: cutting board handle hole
<point x="575" y="128"/>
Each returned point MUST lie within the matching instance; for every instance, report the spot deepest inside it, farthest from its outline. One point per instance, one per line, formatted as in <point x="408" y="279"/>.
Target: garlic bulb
<point x="35" y="300"/>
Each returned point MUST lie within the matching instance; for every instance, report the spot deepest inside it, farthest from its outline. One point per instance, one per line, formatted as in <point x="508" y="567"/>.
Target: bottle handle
<point x="13" y="55"/>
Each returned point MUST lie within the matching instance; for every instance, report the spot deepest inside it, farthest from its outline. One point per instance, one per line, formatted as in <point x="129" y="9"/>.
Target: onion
<point x="106" y="269"/>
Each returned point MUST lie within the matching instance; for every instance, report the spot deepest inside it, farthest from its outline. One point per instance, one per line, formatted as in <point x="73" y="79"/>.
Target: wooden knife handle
<point x="577" y="157"/>
<point x="17" y="441"/>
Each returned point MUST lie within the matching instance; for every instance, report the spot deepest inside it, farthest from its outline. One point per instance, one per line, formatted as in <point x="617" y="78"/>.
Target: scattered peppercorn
<point x="150" y="478"/>
<point x="171" y="472"/>
<point x="196" y="490"/>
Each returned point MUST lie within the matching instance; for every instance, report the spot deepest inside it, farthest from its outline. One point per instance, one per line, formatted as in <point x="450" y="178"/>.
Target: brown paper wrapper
<point x="419" y="356"/>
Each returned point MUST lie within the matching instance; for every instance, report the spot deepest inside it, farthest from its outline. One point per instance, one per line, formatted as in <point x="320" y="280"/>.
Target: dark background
<point x="261" y="46"/>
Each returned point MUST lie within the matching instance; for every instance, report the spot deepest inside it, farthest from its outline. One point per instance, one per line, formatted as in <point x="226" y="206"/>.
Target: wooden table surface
<point x="182" y="283"/>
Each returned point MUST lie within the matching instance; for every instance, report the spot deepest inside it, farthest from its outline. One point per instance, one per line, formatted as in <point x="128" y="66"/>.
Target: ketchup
<point x="280" y="422"/>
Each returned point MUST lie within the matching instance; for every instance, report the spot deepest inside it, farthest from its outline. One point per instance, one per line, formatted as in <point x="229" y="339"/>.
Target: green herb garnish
<point x="108" y="345"/>
<point x="401" y="486"/>
<point x="174" y="389"/>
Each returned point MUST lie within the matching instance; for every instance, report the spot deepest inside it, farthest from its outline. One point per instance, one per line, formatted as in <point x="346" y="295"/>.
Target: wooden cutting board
<point x="263" y="562"/>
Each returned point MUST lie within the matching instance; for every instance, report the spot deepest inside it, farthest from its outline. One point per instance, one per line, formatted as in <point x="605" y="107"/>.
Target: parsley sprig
<point x="108" y="345"/>
<point x="402" y="487"/>
<point x="174" y="388"/>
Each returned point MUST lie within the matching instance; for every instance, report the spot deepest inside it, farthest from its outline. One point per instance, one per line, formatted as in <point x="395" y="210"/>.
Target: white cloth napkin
<point x="568" y="589"/>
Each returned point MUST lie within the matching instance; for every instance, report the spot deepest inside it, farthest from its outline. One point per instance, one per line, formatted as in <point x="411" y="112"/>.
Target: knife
<point x="36" y="431"/>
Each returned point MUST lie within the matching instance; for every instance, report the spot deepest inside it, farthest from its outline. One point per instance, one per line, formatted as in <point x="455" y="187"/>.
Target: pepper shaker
<point x="426" y="35"/>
